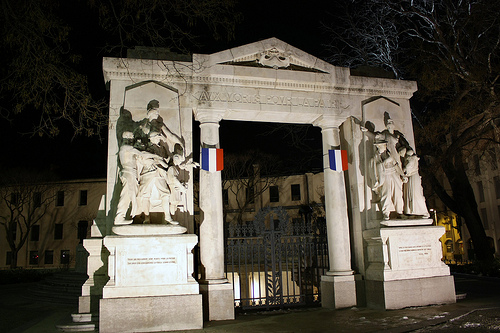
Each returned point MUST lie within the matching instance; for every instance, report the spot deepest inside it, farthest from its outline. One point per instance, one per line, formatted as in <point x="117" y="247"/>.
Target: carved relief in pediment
<point x="274" y="58"/>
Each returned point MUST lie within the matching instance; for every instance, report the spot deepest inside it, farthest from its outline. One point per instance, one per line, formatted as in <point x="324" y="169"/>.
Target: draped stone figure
<point x="387" y="179"/>
<point x="414" y="200"/>
<point x="127" y="156"/>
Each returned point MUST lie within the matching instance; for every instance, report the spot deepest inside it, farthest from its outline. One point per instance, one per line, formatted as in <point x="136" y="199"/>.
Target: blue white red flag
<point x="212" y="159"/>
<point x="338" y="159"/>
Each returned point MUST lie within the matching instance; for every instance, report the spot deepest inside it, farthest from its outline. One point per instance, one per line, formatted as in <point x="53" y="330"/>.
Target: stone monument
<point x="383" y="250"/>
<point x="398" y="252"/>
<point x="150" y="263"/>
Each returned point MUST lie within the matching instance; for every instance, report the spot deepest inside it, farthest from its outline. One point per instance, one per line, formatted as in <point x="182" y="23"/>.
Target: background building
<point x="52" y="241"/>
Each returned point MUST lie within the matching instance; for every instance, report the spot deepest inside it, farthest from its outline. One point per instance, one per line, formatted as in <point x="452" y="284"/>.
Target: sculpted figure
<point x="127" y="156"/>
<point x="178" y="189"/>
<point x="394" y="138"/>
<point x="154" y="190"/>
<point x="414" y="200"/>
<point x="153" y="123"/>
<point x="150" y="161"/>
<point x="387" y="179"/>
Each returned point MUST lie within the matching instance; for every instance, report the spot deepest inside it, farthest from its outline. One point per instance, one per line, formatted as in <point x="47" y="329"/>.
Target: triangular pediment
<point x="271" y="53"/>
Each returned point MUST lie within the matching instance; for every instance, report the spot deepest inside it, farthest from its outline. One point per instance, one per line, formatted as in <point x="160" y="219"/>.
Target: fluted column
<point x="338" y="288"/>
<point x="337" y="220"/>
<point x="211" y="226"/>
<point x="217" y="293"/>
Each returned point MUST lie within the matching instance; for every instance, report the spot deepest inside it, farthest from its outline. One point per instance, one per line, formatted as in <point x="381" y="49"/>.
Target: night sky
<point x="82" y="157"/>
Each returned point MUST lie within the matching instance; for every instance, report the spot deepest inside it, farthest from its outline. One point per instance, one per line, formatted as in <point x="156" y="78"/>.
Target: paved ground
<point x="478" y="312"/>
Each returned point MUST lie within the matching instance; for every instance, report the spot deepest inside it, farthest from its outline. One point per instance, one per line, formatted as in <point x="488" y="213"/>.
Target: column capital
<point x="208" y="116"/>
<point x="329" y="121"/>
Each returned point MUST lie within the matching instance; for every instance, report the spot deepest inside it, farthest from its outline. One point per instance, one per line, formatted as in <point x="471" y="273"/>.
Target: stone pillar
<point x="338" y="289"/>
<point x="218" y="299"/>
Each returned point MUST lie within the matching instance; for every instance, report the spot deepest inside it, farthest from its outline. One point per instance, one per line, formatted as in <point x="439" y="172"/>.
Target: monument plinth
<point x="405" y="267"/>
<point x="151" y="286"/>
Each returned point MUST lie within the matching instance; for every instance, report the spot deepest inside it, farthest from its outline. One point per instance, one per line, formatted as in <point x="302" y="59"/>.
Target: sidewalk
<point x="480" y="310"/>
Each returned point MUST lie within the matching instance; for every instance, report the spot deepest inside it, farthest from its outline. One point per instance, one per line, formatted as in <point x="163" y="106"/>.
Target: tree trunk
<point x="463" y="194"/>
<point x="13" y="260"/>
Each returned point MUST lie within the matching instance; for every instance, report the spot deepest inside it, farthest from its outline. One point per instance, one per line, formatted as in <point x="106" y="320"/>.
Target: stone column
<point x="218" y="299"/>
<point x="338" y="288"/>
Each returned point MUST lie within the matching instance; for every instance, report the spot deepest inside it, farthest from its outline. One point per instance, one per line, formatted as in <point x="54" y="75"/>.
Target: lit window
<point x="449" y="246"/>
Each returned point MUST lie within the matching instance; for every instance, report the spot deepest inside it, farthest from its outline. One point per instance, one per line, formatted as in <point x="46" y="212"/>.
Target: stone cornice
<point x="357" y="86"/>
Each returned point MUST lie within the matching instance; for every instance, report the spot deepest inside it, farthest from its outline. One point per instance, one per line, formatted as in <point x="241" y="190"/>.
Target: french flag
<point x="212" y="159"/>
<point x="338" y="159"/>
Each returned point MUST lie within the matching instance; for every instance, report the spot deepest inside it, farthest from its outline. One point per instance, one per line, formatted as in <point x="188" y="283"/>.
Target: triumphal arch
<point x="383" y="250"/>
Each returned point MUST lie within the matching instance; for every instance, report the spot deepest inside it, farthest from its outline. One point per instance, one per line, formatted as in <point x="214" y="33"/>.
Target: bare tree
<point x="24" y="200"/>
<point x="247" y="176"/>
<point x="49" y="51"/>
<point x="452" y="49"/>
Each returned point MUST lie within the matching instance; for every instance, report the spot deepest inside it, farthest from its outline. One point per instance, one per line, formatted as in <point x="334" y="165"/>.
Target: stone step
<point x="82" y="322"/>
<point x="77" y="327"/>
<point x="85" y="317"/>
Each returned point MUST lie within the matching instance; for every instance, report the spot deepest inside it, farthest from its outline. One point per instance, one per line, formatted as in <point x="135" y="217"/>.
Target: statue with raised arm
<point x="150" y="162"/>
<point x="395" y="139"/>
<point x="153" y="123"/>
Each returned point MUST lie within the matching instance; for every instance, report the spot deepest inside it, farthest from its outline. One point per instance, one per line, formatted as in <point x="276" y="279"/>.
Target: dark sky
<point x="83" y="157"/>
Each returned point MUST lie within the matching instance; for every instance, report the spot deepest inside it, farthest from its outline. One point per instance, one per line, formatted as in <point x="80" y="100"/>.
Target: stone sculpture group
<point x="395" y="177"/>
<point x="151" y="157"/>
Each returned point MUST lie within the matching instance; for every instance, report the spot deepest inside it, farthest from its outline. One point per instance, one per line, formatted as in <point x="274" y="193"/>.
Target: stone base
<point x="151" y="314"/>
<point x="398" y="294"/>
<point x="218" y="301"/>
<point x="89" y="304"/>
<point x="338" y="292"/>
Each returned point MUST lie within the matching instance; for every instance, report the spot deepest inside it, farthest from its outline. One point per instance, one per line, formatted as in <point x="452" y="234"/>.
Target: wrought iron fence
<point x="274" y="262"/>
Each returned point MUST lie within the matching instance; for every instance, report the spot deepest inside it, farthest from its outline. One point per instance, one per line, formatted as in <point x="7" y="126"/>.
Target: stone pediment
<point x="271" y="53"/>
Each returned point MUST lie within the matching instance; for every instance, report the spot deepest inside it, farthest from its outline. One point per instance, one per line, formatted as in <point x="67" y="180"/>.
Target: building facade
<point x="484" y="177"/>
<point x="66" y="213"/>
<point x="54" y="240"/>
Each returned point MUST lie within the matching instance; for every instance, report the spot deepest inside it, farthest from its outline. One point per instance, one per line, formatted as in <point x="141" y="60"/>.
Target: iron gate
<point x="276" y="263"/>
